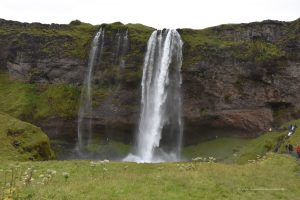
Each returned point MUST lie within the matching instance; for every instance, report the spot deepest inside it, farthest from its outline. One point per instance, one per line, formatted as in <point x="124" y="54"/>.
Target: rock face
<point x="47" y="70"/>
<point x="237" y="79"/>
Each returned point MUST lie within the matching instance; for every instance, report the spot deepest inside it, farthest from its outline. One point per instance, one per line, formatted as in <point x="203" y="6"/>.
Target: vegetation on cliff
<point x="240" y="43"/>
<point x="37" y="101"/>
<point x="56" y="40"/>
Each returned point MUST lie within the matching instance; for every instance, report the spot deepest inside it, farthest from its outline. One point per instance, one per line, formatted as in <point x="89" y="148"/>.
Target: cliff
<point x="237" y="79"/>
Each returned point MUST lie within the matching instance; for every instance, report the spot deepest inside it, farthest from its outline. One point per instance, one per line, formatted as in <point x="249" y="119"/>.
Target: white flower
<point x="66" y="175"/>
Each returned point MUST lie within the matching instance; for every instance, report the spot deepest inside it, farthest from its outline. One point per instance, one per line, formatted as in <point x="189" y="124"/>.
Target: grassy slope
<point x="260" y="146"/>
<point x="163" y="181"/>
<point x="295" y="138"/>
<point x="223" y="149"/>
<point x="22" y="141"/>
<point x="236" y="150"/>
<point x="33" y="102"/>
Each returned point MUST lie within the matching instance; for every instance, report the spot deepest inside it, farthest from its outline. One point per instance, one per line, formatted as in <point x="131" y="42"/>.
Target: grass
<point x="272" y="176"/>
<point x="115" y="180"/>
<point x="223" y="149"/>
<point x="239" y="150"/>
<point x="22" y="141"/>
<point x="260" y="146"/>
<point x="113" y="149"/>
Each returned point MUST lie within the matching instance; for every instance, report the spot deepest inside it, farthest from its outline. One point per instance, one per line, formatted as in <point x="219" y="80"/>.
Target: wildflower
<point x="66" y="175"/>
<point x="93" y="164"/>
<point x="197" y="159"/>
<point x="104" y="169"/>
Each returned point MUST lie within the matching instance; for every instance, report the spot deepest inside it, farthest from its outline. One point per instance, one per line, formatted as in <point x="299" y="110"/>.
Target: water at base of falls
<point x="159" y="135"/>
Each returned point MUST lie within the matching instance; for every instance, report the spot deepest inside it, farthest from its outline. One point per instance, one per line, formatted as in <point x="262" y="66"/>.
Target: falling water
<point x="86" y="109"/>
<point x="121" y="48"/>
<point x="124" y="49"/>
<point x="160" y="128"/>
<point x="117" y="48"/>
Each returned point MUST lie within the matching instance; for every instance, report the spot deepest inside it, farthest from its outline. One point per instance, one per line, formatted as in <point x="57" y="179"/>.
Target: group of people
<point x="292" y="129"/>
<point x="289" y="148"/>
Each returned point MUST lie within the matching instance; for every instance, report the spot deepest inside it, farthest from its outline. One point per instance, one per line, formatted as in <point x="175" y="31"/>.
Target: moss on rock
<point x="34" y="102"/>
<point x="22" y="141"/>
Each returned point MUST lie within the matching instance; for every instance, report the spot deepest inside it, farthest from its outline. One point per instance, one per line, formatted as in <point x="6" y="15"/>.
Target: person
<point x="298" y="150"/>
<point x="294" y="128"/>
<point x="270" y="129"/>
<point x="291" y="130"/>
<point x="290" y="127"/>
<point x="287" y="148"/>
<point x="290" y="148"/>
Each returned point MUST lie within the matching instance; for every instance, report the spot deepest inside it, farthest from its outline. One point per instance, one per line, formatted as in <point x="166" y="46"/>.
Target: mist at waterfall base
<point x="159" y="137"/>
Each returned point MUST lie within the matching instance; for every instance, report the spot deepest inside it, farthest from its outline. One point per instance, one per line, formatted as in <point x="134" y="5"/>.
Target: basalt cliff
<point x="237" y="79"/>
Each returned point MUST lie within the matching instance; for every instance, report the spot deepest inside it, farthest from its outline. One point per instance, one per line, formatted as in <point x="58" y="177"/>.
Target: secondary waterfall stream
<point x="86" y="112"/>
<point x="159" y="135"/>
<point x="86" y="109"/>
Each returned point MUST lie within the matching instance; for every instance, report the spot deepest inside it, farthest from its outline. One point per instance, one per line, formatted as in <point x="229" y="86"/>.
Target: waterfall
<point x="121" y="48"/>
<point x="84" y="128"/>
<point x="160" y="128"/>
<point x="124" y="50"/>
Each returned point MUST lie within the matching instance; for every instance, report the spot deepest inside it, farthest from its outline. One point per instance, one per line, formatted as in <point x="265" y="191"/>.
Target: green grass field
<point x="223" y="149"/>
<point x="274" y="177"/>
<point x="254" y="172"/>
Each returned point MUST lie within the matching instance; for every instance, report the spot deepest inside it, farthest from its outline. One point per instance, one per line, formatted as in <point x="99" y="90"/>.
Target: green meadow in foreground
<point x="254" y="172"/>
<point x="272" y="177"/>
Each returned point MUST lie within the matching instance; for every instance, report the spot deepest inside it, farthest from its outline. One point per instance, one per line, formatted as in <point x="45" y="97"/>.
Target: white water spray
<point x="160" y="129"/>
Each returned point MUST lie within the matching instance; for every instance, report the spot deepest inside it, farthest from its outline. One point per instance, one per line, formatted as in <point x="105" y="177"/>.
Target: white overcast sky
<point x="155" y="13"/>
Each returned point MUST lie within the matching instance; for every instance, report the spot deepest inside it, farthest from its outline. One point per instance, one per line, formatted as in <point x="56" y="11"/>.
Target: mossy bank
<point x="21" y="141"/>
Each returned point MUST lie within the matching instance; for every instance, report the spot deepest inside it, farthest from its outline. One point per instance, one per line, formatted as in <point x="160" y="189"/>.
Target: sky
<point x="155" y="13"/>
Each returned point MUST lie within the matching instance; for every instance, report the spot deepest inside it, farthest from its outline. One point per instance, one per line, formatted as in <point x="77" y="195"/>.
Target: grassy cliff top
<point x="75" y="38"/>
<point x="64" y="39"/>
